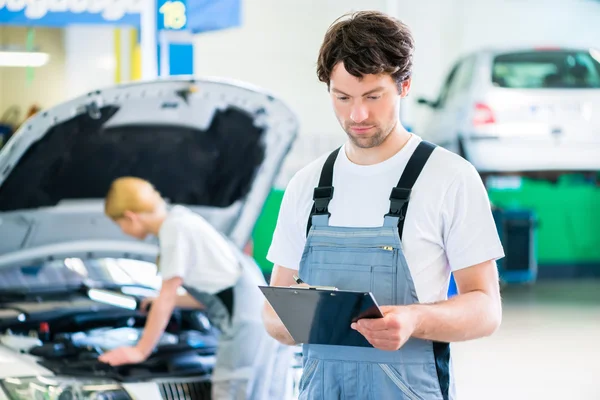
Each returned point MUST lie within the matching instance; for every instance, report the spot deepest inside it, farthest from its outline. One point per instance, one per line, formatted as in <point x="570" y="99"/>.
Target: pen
<point x="298" y="280"/>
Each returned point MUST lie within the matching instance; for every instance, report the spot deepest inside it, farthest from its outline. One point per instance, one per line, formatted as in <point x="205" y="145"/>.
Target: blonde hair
<point x="131" y="194"/>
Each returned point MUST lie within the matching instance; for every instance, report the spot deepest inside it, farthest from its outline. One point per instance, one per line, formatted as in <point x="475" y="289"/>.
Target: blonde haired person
<point x="217" y="277"/>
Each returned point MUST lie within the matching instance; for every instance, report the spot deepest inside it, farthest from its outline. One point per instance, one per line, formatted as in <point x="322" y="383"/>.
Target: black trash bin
<point x="517" y="231"/>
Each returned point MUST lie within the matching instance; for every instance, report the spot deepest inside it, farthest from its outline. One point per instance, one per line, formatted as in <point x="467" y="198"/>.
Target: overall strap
<point x="401" y="193"/>
<point x="324" y="192"/>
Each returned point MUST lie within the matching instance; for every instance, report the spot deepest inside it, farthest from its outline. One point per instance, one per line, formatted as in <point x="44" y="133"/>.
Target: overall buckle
<point x="322" y="196"/>
<point x="398" y="199"/>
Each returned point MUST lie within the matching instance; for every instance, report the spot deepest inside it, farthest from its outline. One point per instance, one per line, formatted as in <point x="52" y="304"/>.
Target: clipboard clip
<point x="303" y="285"/>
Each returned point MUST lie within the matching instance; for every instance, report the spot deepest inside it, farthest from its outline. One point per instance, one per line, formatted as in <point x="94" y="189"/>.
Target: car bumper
<point x="540" y="154"/>
<point x="168" y="390"/>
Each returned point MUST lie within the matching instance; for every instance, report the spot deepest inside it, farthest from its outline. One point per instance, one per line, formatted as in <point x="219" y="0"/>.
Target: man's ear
<point x="405" y="87"/>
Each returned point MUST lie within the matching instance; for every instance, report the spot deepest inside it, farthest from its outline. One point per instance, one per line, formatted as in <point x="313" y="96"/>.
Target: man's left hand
<point x="123" y="355"/>
<point x="390" y="332"/>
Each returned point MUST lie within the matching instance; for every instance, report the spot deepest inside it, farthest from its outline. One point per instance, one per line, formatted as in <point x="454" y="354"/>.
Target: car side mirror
<point x="426" y="102"/>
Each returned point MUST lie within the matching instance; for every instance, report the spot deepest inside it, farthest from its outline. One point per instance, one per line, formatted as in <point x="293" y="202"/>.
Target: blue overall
<point x="369" y="259"/>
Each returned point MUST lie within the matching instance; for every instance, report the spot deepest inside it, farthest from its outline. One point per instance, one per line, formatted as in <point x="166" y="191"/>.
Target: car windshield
<point x="73" y="272"/>
<point x="559" y="69"/>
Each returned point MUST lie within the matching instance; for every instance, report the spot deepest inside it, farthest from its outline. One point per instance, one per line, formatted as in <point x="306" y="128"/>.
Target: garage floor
<point x="547" y="348"/>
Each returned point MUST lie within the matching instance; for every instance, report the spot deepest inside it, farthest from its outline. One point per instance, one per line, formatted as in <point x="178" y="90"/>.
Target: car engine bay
<point x="69" y="343"/>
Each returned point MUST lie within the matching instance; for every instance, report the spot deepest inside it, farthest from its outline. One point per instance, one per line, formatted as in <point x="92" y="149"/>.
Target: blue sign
<point x="194" y="15"/>
<point x="59" y="13"/>
<point x="180" y="59"/>
<point x="212" y="15"/>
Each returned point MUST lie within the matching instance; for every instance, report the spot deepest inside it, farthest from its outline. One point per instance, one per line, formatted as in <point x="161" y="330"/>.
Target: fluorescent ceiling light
<point x="23" y="59"/>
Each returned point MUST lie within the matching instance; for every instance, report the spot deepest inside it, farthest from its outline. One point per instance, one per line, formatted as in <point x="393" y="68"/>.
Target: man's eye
<point x="373" y="97"/>
<point x="342" y="98"/>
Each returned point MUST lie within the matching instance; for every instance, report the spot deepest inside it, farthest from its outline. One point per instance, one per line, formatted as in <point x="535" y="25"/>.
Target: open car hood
<point x="213" y="145"/>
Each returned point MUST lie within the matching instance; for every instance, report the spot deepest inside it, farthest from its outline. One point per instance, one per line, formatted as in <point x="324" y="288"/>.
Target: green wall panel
<point x="568" y="213"/>
<point x="263" y="231"/>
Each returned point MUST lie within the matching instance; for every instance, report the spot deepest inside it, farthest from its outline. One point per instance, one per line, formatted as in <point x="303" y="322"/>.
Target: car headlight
<point x="52" y="388"/>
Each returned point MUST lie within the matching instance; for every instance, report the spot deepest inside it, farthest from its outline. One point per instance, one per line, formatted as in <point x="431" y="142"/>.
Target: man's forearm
<point x="275" y="327"/>
<point x="464" y="317"/>
<point x="158" y="318"/>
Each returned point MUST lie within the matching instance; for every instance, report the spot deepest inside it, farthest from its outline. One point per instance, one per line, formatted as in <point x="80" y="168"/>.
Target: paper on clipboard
<point x="313" y="287"/>
<point x="303" y="285"/>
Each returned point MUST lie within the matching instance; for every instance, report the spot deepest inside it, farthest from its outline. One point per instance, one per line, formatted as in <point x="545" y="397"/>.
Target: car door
<point x="450" y="109"/>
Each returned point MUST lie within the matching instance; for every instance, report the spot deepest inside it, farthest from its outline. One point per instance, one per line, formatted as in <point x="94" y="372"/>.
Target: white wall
<point x="531" y="22"/>
<point x="90" y="62"/>
<point x="46" y="87"/>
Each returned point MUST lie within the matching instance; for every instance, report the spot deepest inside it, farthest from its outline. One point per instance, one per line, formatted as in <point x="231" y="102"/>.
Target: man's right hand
<point x="280" y="276"/>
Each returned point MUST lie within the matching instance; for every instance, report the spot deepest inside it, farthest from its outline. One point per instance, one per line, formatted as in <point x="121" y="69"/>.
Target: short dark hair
<point x="367" y="42"/>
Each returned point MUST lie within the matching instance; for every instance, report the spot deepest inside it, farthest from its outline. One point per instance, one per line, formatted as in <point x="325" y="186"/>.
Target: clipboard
<point x="314" y="315"/>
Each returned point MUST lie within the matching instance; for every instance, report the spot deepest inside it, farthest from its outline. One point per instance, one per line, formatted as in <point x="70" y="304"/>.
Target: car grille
<point x="199" y="390"/>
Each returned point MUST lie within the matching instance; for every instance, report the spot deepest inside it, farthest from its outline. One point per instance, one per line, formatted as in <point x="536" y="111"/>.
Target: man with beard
<point x="391" y="214"/>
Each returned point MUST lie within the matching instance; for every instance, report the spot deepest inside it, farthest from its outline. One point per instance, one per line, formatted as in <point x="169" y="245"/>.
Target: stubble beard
<point x="375" y="139"/>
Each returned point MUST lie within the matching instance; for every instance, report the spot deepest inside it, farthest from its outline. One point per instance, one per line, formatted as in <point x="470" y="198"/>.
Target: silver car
<point x="525" y="111"/>
<point x="70" y="280"/>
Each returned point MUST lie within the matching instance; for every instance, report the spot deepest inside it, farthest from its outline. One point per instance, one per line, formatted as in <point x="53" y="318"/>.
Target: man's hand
<point x="390" y="332"/>
<point x="280" y="276"/>
<point x="475" y="313"/>
<point x="123" y="355"/>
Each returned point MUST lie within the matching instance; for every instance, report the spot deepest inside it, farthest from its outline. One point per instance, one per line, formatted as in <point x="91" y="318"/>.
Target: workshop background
<point x="549" y="219"/>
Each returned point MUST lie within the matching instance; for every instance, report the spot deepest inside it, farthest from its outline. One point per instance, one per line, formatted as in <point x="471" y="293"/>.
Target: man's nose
<point x="359" y="113"/>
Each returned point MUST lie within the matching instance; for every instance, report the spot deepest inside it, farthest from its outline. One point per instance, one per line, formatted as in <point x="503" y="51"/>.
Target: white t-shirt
<point x="192" y="249"/>
<point x="448" y="226"/>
